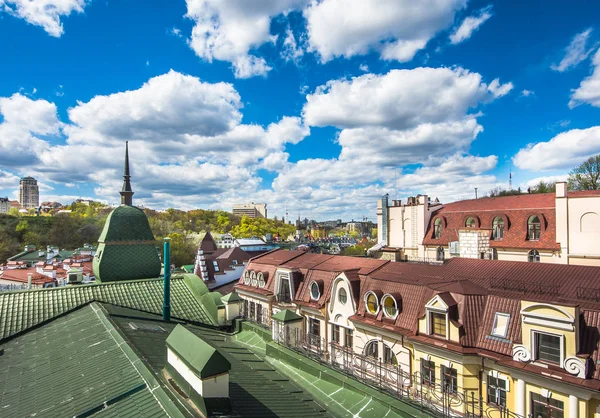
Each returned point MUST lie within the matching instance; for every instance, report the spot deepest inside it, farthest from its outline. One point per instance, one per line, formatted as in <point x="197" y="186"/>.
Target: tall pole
<point x="167" y="280"/>
<point x="475" y="192"/>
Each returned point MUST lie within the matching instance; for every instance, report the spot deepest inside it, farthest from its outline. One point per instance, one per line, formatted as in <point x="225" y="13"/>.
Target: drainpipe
<point x="167" y="280"/>
<point x="29" y="281"/>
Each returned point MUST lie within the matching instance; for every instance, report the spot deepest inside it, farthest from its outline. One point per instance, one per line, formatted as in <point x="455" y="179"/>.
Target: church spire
<point x="126" y="192"/>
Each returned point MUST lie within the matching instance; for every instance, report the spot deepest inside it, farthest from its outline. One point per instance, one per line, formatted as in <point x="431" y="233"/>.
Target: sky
<point x="315" y="107"/>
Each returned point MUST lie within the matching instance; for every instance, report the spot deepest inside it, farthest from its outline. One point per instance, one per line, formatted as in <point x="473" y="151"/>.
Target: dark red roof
<point x="208" y="244"/>
<point x="515" y="210"/>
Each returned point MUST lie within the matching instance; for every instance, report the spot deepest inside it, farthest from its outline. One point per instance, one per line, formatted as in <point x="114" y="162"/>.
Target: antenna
<point x="510" y="179"/>
<point x="475" y="192"/>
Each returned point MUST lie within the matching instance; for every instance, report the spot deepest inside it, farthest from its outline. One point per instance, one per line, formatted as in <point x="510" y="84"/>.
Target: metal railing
<point x="439" y="398"/>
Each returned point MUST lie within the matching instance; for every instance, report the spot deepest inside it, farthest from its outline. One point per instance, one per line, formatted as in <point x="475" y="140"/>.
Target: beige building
<point x="4" y="205"/>
<point x="251" y="210"/>
<point x="561" y="227"/>
<point x="29" y="193"/>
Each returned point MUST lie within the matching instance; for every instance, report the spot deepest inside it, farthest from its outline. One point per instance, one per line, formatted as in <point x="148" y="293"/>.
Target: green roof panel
<point x="286" y="316"/>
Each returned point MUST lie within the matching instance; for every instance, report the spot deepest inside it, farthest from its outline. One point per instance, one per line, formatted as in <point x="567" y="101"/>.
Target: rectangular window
<point x="348" y="337"/>
<point x="546" y="407"/>
<point x="496" y="391"/>
<point x="449" y="379"/>
<point x="216" y="266"/>
<point x="252" y="308"/>
<point x="427" y="372"/>
<point x="438" y="324"/>
<point x="314" y="327"/>
<point x="500" y="325"/>
<point x="534" y="231"/>
<point x="547" y="348"/>
<point x="259" y="317"/>
<point x="335" y="333"/>
<point x="284" y="291"/>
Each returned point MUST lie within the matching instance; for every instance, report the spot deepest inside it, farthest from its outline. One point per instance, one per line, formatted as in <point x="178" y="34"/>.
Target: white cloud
<point x="575" y="53"/>
<point x="565" y="151"/>
<point x="589" y="89"/>
<point x="527" y="93"/>
<point x="499" y="90"/>
<point x="8" y="180"/>
<point x="364" y="68"/>
<point x="290" y="50"/>
<point x="546" y="179"/>
<point x="229" y="30"/>
<point x="176" y="32"/>
<point x="470" y="25"/>
<point x="44" y="13"/>
<point x="396" y="28"/>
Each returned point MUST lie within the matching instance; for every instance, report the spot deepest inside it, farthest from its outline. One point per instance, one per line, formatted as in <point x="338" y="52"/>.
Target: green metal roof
<point x="188" y="268"/>
<point x="203" y="359"/>
<point x="126" y="262"/>
<point x="286" y="316"/>
<point x="74" y="366"/>
<point x="126" y="223"/>
<point x="21" y="310"/>
<point x="231" y="298"/>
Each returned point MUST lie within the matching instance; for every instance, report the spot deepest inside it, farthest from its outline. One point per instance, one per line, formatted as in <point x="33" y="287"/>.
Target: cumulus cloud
<point x="575" y="53"/>
<point x="470" y="25"/>
<point x="589" y="89"/>
<point x="565" y="151"/>
<point x="229" y="30"/>
<point x="398" y="29"/>
<point x="44" y="13"/>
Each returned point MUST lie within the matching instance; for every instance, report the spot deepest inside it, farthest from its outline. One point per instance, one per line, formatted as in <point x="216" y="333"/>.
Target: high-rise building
<point x="251" y="210"/>
<point x="29" y="193"/>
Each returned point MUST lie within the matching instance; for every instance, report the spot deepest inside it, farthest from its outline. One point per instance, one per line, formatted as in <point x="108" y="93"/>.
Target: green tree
<point x="586" y="176"/>
<point x="182" y="250"/>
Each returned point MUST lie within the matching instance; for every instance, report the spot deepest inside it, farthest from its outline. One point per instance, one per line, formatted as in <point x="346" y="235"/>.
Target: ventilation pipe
<point x="167" y="280"/>
<point x="29" y="281"/>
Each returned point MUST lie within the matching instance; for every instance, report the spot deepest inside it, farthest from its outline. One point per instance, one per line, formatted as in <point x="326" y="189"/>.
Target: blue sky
<point x="314" y="107"/>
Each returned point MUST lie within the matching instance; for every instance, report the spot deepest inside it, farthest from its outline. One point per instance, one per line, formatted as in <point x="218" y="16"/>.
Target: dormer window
<point x="533" y="256"/>
<point x="438" y="324"/>
<point x="284" y="288"/>
<point x="498" y="228"/>
<point x="547" y="348"/>
<point x="390" y="306"/>
<point x="470" y="222"/>
<point x="315" y="293"/>
<point x="372" y="303"/>
<point x="342" y="296"/>
<point x="216" y="266"/>
<point x="500" y="328"/>
<point x="437" y="228"/>
<point x="261" y="280"/>
<point x="533" y="228"/>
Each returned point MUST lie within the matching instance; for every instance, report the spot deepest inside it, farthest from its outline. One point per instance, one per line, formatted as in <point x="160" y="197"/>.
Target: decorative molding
<point x="521" y="353"/>
<point x="575" y="366"/>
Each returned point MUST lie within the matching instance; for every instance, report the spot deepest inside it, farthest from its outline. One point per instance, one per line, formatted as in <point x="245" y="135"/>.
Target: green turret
<point x="126" y="247"/>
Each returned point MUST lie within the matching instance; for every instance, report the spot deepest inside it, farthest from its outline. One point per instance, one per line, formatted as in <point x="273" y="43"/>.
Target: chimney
<point x="167" y="280"/>
<point x="29" y="281"/>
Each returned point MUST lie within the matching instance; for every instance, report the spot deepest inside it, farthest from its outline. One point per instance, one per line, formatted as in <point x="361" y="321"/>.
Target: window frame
<point x="451" y="374"/>
<point x="389" y="357"/>
<point x="369" y="351"/>
<point x="549" y="408"/>
<point x="438" y="228"/>
<point x="498" y="228"/>
<point x="335" y="333"/>
<point x="467" y="222"/>
<point x="427" y="370"/>
<point x="343" y="302"/>
<point x="497" y="314"/>
<point x="395" y="307"/>
<point x="440" y="254"/>
<point x="314" y="324"/>
<point x="216" y="266"/>
<point x="498" y="399"/>
<point x="533" y="228"/>
<point x="314" y="285"/>
<point x="533" y="256"/>
<point x="442" y="315"/>
<point x="535" y="348"/>
<point x="377" y="305"/>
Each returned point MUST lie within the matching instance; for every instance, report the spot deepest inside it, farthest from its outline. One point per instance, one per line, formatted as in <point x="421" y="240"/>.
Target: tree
<point x="586" y="176"/>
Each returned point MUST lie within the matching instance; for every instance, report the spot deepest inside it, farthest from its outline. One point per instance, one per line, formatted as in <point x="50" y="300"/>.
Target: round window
<point x="261" y="280"/>
<point x="315" y="294"/>
<point x="389" y="307"/>
<point x="254" y="279"/>
<point x="342" y="296"/>
<point x="372" y="305"/>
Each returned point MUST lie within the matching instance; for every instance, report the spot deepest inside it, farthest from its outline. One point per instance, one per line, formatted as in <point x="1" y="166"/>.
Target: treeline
<point x="84" y="225"/>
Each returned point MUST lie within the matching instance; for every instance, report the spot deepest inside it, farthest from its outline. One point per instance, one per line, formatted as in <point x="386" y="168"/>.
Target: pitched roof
<point x="21" y="310"/>
<point x="203" y="359"/>
<point x="286" y="316"/>
<point x="208" y="244"/>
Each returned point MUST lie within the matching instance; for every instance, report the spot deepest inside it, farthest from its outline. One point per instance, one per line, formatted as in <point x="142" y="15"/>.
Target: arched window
<point x="388" y="356"/>
<point x="439" y="256"/>
<point x="342" y="296"/>
<point x="437" y="228"/>
<point x="533" y="228"/>
<point x="498" y="228"/>
<point x="372" y="303"/>
<point x="534" y="256"/>
<point x="372" y="349"/>
<point x="470" y="222"/>
<point x="315" y="294"/>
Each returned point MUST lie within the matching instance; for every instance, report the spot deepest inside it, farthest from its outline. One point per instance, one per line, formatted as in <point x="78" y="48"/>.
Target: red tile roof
<point x="516" y="211"/>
